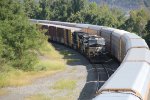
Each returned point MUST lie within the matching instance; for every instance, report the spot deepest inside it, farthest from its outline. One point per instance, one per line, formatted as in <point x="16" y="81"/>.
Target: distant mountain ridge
<point x="125" y="4"/>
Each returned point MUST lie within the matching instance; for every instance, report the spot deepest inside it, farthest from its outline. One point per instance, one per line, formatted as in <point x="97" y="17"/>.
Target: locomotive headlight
<point x="98" y="49"/>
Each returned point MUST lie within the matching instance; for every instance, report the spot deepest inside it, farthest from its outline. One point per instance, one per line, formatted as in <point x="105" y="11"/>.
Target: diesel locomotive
<point x="90" y="45"/>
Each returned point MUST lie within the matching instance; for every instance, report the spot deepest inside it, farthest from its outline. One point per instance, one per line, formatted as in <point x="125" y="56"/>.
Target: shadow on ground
<point x="74" y="58"/>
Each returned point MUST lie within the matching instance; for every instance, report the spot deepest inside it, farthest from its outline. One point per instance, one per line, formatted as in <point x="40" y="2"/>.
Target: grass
<point x="3" y="92"/>
<point x="72" y="60"/>
<point x="52" y="63"/>
<point x="44" y="97"/>
<point x="67" y="97"/>
<point x="20" y="78"/>
<point x="66" y="53"/>
<point x="49" y="51"/>
<point x="38" y="97"/>
<point x="65" y="84"/>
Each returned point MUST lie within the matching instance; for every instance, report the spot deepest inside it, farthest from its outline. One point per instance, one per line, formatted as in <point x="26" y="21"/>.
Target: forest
<point x="125" y="4"/>
<point x="83" y="11"/>
<point x="19" y="39"/>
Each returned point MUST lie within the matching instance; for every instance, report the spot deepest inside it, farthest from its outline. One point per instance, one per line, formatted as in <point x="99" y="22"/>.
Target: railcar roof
<point x="60" y="26"/>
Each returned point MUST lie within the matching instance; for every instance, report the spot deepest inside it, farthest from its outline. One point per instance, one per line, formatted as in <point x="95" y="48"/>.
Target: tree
<point x="147" y="28"/>
<point x="1" y="45"/>
<point x="44" y="9"/>
<point x="78" y="5"/>
<point x="77" y="18"/>
<point x="31" y="8"/>
<point x="87" y="15"/>
<point x="52" y="10"/>
<point x="147" y="36"/>
<point x="136" y="22"/>
<point x="100" y="15"/>
<point x="62" y="12"/>
<point x="18" y="37"/>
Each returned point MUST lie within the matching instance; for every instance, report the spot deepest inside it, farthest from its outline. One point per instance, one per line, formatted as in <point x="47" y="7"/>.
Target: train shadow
<point x="75" y="58"/>
<point x="89" y="90"/>
<point x="72" y="57"/>
<point x="92" y="85"/>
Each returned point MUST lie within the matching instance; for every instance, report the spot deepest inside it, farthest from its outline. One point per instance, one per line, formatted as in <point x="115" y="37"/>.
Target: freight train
<point x="131" y="81"/>
<point x="90" y="45"/>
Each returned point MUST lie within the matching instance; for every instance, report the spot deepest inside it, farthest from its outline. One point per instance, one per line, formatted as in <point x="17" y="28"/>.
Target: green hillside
<point x="125" y="4"/>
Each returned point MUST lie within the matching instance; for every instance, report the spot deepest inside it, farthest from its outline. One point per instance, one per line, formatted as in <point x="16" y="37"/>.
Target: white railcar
<point x="116" y="96"/>
<point x="106" y="33"/>
<point x="56" y="22"/>
<point x="94" y="29"/>
<point x="116" y="43"/>
<point x="124" y="40"/>
<point x="69" y="24"/>
<point x="130" y="78"/>
<point x="136" y="43"/>
<point x="44" y="21"/>
<point x="137" y="55"/>
<point x="33" y="21"/>
<point x="83" y="26"/>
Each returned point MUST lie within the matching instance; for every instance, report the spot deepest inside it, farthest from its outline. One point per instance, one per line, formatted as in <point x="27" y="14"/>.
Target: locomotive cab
<point x="96" y="46"/>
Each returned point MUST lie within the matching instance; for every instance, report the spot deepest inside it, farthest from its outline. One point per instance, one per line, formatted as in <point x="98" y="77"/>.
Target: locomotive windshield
<point x="101" y="41"/>
<point x="91" y="42"/>
<point x="85" y="39"/>
<point x="96" y="42"/>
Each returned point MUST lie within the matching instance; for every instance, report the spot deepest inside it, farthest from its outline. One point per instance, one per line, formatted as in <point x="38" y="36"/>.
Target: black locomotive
<point x="90" y="45"/>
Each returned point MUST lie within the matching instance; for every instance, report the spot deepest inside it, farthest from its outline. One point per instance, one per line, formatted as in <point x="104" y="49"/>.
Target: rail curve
<point x="131" y="81"/>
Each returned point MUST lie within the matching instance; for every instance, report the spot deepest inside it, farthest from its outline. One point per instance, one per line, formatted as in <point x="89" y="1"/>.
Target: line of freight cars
<point x="90" y="45"/>
<point x="115" y="39"/>
<point x="131" y="81"/>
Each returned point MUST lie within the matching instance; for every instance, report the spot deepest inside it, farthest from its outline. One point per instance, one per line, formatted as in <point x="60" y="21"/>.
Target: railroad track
<point x="104" y="71"/>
